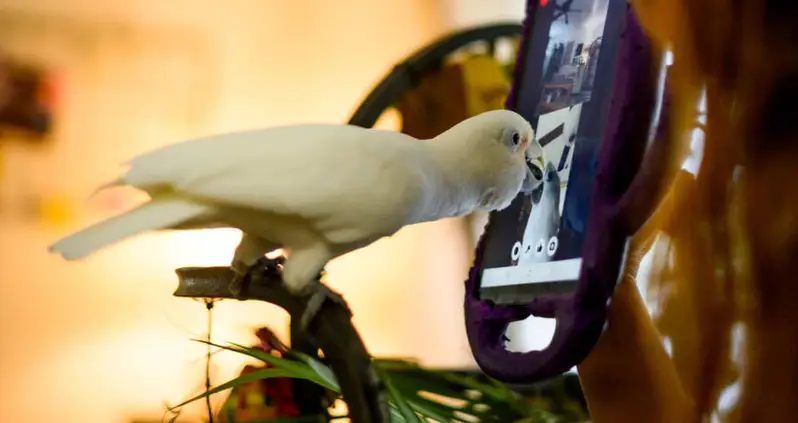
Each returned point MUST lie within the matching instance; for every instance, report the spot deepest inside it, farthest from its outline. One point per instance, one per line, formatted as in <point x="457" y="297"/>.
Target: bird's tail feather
<point x="160" y="213"/>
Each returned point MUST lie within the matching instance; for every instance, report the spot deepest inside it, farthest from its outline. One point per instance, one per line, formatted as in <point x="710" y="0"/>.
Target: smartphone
<point x="563" y="89"/>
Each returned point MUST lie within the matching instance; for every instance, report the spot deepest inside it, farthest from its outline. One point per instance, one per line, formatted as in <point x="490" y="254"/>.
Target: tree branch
<point x="331" y="330"/>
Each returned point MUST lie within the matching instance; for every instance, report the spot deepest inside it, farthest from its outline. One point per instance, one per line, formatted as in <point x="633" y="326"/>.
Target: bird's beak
<point x="533" y="179"/>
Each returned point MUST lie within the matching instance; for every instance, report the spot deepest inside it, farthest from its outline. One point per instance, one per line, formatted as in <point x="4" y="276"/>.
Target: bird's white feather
<point x="161" y="213"/>
<point x="273" y="151"/>
<point x="300" y="171"/>
<point x="319" y="191"/>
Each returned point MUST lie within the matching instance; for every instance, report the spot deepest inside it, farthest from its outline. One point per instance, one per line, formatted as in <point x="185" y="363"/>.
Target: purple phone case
<point x="625" y="195"/>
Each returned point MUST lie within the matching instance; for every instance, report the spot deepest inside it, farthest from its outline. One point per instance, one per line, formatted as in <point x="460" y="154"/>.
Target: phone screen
<point x="535" y="245"/>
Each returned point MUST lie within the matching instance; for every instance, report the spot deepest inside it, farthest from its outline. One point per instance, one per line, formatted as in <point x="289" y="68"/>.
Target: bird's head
<point x="507" y="137"/>
<point x="500" y="128"/>
<point x="497" y="148"/>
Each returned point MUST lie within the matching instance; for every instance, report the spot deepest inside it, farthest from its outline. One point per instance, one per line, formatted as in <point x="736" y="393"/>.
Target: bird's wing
<point x="318" y="172"/>
<point x="186" y="162"/>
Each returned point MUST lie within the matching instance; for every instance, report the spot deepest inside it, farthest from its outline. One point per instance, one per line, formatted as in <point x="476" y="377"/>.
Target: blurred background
<point x="85" y="85"/>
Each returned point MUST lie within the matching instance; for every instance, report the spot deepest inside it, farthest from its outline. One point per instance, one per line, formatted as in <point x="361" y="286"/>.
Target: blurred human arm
<point x="629" y="377"/>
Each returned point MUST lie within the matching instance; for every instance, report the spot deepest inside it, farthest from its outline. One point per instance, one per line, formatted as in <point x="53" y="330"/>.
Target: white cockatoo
<point x="318" y="191"/>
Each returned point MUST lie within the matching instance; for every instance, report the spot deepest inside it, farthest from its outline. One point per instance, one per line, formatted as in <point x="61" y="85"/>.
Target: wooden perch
<point x="331" y="330"/>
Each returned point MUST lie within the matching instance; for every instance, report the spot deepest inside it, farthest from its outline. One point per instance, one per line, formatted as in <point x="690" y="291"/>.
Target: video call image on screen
<point x="539" y="239"/>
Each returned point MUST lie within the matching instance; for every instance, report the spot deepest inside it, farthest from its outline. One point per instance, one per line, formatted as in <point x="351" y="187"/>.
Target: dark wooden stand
<point x="331" y="331"/>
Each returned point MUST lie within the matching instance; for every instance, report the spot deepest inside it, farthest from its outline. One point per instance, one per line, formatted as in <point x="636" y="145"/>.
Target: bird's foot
<point x="243" y="275"/>
<point x="319" y="293"/>
<point x="239" y="283"/>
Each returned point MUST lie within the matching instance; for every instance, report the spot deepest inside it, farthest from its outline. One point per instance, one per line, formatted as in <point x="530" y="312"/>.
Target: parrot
<point x="317" y="191"/>
<point x="539" y="242"/>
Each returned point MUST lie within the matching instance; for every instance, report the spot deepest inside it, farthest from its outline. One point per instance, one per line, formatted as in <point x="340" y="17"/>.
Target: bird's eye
<point x="516" y="138"/>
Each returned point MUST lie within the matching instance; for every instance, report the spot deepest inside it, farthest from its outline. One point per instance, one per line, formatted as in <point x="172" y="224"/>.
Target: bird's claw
<point x="317" y="293"/>
<point x="237" y="285"/>
<point x="320" y="293"/>
<point x="243" y="276"/>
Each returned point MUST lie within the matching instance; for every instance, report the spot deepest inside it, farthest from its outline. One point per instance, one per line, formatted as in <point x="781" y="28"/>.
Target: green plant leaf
<point x="296" y="369"/>
<point x="405" y="410"/>
<point x="408" y="386"/>
<point x="396" y="416"/>
<point x="285" y="363"/>
<point x="449" y="400"/>
<point x="247" y="378"/>
<point x="417" y="383"/>
<point x="320" y="368"/>
<point x="414" y="391"/>
<point x="501" y="394"/>
<point x="454" y="412"/>
<point x="425" y="409"/>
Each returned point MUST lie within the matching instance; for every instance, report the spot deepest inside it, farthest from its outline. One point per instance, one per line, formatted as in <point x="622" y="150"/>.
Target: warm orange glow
<point x="274" y="254"/>
<point x="390" y="120"/>
<point x="103" y="340"/>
